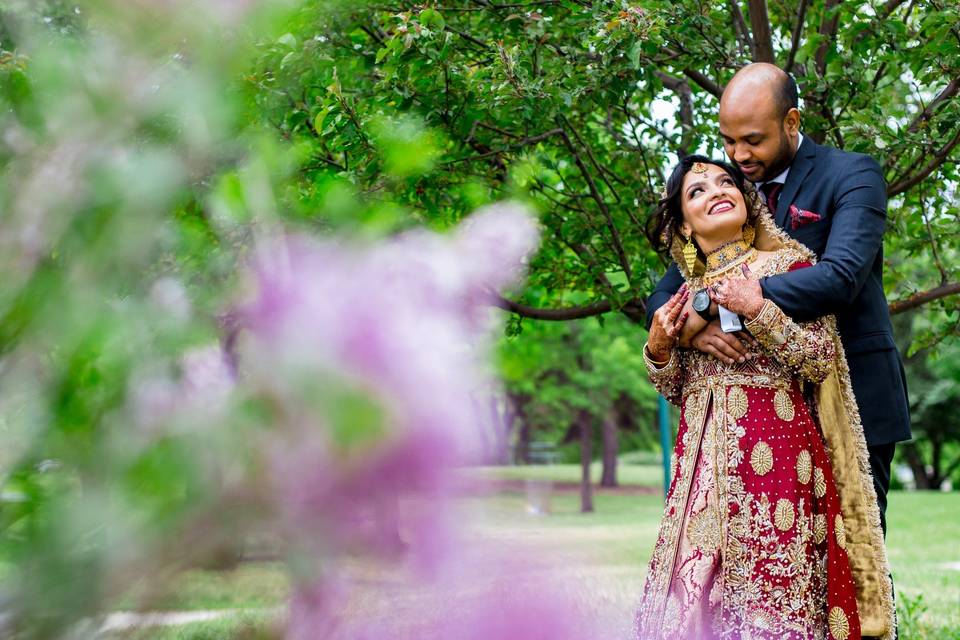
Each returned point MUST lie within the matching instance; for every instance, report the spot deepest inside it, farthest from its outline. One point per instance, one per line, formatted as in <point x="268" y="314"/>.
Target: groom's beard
<point x="781" y="160"/>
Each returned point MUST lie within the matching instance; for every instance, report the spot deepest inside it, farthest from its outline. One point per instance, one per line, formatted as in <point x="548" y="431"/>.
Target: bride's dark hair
<point x="667" y="219"/>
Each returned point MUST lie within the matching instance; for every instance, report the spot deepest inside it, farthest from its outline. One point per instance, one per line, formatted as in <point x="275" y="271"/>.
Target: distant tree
<point x="934" y="454"/>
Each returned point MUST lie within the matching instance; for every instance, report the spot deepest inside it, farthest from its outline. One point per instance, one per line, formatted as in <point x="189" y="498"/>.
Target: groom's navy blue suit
<point x="848" y="192"/>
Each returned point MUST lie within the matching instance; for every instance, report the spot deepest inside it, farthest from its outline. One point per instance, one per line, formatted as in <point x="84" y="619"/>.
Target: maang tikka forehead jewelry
<point x="699" y="167"/>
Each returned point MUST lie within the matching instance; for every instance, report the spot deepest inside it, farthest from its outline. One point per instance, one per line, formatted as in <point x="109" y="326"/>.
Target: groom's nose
<point x="741" y="153"/>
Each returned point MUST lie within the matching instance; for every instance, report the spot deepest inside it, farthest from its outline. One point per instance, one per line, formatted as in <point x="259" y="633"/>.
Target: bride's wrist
<point x="658" y="355"/>
<point x="754" y="308"/>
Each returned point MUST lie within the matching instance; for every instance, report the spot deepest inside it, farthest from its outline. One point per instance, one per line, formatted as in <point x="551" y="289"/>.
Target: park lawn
<point x="249" y="625"/>
<point x="644" y="475"/>
<point x="598" y="559"/>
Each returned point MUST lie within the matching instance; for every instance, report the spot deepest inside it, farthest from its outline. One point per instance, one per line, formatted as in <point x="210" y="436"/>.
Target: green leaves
<point x="431" y="18"/>
<point x="428" y="106"/>
<point x="407" y="148"/>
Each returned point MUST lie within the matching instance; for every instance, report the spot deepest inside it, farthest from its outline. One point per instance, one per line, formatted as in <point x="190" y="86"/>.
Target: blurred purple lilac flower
<point x="206" y="377"/>
<point x="409" y="320"/>
<point x="407" y="324"/>
<point x="199" y="395"/>
<point x="499" y="598"/>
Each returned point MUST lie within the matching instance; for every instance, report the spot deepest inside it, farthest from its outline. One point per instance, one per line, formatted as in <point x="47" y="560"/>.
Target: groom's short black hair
<point x="787" y="97"/>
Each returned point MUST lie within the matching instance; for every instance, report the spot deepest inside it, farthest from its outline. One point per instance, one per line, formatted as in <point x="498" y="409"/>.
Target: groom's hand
<point x="727" y="347"/>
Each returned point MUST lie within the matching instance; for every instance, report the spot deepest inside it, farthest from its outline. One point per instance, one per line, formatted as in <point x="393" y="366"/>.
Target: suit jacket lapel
<point x="802" y="165"/>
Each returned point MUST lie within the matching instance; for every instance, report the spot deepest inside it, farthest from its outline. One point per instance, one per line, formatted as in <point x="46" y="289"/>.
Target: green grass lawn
<point x="646" y="475"/>
<point x="599" y="559"/>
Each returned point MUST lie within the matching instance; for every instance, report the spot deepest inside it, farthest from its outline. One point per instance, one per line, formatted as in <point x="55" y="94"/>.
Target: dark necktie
<point x="772" y="191"/>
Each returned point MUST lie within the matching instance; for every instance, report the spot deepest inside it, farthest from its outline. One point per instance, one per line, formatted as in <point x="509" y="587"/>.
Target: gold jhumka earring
<point x="749" y="233"/>
<point x="690" y="254"/>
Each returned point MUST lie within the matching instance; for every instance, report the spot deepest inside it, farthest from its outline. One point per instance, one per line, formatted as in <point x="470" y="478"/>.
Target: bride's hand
<point x="666" y="325"/>
<point x="742" y="296"/>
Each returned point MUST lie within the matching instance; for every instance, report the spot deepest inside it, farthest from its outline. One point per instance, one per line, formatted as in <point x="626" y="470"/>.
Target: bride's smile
<point x="721" y="207"/>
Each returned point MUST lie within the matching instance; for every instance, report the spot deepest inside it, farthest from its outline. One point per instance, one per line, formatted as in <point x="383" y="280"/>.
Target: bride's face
<point x="714" y="211"/>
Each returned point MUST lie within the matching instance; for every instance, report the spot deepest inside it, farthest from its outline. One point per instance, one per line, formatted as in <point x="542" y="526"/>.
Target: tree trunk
<point x="521" y="450"/>
<point x="916" y="465"/>
<point x="586" y="457"/>
<point x="610" y="450"/>
<point x="502" y="422"/>
<point x="936" y="478"/>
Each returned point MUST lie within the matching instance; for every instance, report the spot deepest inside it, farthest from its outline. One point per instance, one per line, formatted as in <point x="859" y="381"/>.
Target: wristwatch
<point x="701" y="304"/>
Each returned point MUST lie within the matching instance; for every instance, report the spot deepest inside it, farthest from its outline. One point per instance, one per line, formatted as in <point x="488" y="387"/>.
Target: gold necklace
<point x="726" y="256"/>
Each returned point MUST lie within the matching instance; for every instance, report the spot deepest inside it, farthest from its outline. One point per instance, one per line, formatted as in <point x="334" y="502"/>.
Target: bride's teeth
<point x="725" y="206"/>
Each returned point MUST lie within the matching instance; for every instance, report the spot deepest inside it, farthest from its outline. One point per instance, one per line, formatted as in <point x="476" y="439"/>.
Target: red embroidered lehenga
<point x="762" y="537"/>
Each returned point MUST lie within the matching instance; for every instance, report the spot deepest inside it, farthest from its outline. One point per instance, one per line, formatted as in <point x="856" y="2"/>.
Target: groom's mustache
<point x="750" y="168"/>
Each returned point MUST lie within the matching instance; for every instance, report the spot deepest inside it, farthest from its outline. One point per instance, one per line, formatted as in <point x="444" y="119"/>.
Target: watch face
<point x="701" y="301"/>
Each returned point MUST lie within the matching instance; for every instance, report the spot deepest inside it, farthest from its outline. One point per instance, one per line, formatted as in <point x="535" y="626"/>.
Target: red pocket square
<point x="800" y="217"/>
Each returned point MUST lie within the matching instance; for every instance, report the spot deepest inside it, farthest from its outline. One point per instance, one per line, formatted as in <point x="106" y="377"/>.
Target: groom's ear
<point x="791" y="121"/>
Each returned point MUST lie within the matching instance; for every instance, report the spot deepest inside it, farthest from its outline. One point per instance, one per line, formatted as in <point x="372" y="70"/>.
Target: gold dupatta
<point x="846" y="445"/>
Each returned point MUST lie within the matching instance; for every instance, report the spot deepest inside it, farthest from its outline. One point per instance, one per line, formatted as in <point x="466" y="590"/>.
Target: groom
<point x="835" y="203"/>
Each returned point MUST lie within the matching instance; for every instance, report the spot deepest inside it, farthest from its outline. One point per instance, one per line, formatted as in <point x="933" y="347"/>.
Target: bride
<point x="771" y="528"/>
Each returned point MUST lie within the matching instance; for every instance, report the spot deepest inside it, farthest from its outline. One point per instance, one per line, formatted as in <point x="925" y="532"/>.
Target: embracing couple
<point x="771" y="332"/>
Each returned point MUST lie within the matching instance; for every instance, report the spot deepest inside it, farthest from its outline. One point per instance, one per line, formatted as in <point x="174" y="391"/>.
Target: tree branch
<point x="469" y="38"/>
<point x="685" y="95"/>
<point x="939" y="156"/>
<point x="933" y="239"/>
<point x="702" y="81"/>
<point x="923" y="297"/>
<point x="948" y="92"/>
<point x="635" y="310"/>
<point x="557" y="315"/>
<point x="516" y="145"/>
<point x="888" y="8"/>
<point x="595" y="193"/>
<point x="797" y="31"/>
<point x="925" y="114"/>
<point x="740" y="26"/>
<point x="593" y="159"/>
<point x="828" y="30"/>
<point x="762" y="40"/>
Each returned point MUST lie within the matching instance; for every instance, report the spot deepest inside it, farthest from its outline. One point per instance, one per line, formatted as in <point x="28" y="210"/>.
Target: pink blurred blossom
<point x="199" y="394"/>
<point x="408" y="320"/>
<point x="408" y="324"/>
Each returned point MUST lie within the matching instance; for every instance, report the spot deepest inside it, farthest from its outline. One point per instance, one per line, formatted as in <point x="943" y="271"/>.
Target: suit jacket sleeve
<point x="856" y="235"/>
<point x="669" y="284"/>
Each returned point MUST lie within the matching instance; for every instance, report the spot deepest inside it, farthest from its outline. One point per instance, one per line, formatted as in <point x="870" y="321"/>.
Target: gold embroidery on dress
<point x="819" y="483"/>
<point x="819" y="528"/>
<point x="764" y="620"/>
<point x="737" y="403"/>
<point x="804" y="467"/>
<point x="694" y="409"/>
<point x="839" y="625"/>
<point x="761" y="458"/>
<point x="703" y="531"/>
<point x="783" y="405"/>
<point x="753" y="529"/>
<point x="840" y="532"/>
<point x="783" y="515"/>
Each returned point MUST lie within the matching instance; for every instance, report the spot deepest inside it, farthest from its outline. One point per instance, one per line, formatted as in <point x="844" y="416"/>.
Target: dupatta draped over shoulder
<point x="727" y="544"/>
